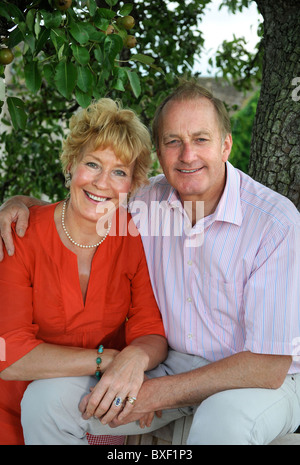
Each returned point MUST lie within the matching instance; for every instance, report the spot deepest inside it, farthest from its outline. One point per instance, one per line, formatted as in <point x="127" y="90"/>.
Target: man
<point x="227" y="287"/>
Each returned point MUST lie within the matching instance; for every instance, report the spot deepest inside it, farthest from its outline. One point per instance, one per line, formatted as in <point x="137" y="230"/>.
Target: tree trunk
<point x="275" y="148"/>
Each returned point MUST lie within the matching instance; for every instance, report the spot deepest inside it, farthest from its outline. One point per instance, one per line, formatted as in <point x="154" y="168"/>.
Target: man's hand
<point x="142" y="410"/>
<point x="12" y="211"/>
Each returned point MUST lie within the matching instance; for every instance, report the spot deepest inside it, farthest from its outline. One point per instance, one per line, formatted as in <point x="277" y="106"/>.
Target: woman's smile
<point x="96" y="198"/>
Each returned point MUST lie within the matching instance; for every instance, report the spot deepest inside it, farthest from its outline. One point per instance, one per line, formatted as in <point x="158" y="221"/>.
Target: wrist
<point x="107" y="357"/>
<point x="136" y="352"/>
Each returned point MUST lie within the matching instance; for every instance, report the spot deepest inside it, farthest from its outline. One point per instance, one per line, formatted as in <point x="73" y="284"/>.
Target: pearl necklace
<point x="72" y="240"/>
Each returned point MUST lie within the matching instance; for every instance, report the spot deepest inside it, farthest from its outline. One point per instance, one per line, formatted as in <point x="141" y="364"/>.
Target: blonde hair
<point x="105" y="124"/>
<point x="190" y="90"/>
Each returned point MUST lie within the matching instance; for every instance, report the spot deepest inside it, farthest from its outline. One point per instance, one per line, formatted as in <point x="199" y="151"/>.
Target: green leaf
<point x="4" y="12"/>
<point x="51" y="19"/>
<point x="105" y="13"/>
<point x="49" y="72"/>
<point x="17" y="113"/>
<point x="43" y="37"/>
<point x="101" y="23"/>
<point x="111" y="2"/>
<point x="14" y="13"/>
<point x="15" y="37"/>
<point x="33" y="76"/>
<point x="134" y="82"/>
<point x="118" y="85"/>
<point x="98" y="54"/>
<point x="58" y="38"/>
<point x="37" y="25"/>
<point x="31" y="41"/>
<point x="79" y="33"/>
<point x="65" y="78"/>
<point x="30" y="19"/>
<point x="113" y="44"/>
<point x="83" y="98"/>
<point x="146" y="59"/>
<point x="85" y="79"/>
<point x="126" y="9"/>
<point x="81" y="54"/>
<point x="92" y="6"/>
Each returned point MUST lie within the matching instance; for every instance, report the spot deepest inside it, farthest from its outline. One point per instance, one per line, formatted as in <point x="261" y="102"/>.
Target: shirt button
<point x="190" y="336"/>
<point x="189" y="299"/>
<point x="190" y="262"/>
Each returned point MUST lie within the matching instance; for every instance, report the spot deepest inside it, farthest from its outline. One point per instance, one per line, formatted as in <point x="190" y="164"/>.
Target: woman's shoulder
<point x="41" y="220"/>
<point x="41" y="215"/>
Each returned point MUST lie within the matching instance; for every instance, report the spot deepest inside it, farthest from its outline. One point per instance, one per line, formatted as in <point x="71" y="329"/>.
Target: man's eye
<point x="173" y="142"/>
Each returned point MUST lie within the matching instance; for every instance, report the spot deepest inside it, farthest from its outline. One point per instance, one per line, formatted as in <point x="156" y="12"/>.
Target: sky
<point x="218" y="26"/>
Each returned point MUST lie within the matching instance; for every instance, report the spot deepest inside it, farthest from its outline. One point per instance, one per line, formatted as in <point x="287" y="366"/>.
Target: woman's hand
<point x="121" y="381"/>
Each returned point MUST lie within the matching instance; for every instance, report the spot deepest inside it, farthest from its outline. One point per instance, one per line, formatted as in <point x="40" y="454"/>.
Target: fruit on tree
<point x="127" y="22"/>
<point x="109" y="30"/>
<point x="6" y="56"/>
<point x="130" y="41"/>
<point x="63" y="5"/>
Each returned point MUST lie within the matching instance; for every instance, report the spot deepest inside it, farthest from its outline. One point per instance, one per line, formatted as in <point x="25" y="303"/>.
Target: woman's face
<point x="98" y="182"/>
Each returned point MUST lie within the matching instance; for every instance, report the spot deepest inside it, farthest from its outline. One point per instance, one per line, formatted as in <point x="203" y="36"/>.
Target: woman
<point x="73" y="303"/>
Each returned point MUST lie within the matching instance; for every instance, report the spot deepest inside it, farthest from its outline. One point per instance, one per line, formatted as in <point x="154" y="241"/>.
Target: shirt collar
<point x="229" y="207"/>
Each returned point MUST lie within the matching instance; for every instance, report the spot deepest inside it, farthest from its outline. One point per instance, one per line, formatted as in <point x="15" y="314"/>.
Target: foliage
<point x="64" y="59"/>
<point x="234" y="61"/>
<point x="242" y="122"/>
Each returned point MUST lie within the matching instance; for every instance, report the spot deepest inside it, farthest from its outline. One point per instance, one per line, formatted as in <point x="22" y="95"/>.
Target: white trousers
<point x="50" y="414"/>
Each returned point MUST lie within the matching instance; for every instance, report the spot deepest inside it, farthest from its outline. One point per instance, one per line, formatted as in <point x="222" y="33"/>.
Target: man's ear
<point x="226" y="147"/>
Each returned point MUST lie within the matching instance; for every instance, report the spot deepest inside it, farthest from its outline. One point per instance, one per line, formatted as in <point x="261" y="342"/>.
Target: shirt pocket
<point x="224" y="306"/>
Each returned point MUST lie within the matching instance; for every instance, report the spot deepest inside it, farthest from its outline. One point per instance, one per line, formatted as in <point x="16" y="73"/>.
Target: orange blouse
<point x="41" y="301"/>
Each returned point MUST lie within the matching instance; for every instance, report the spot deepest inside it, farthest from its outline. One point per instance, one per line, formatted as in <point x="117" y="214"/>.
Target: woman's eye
<point x="120" y="173"/>
<point x="92" y="165"/>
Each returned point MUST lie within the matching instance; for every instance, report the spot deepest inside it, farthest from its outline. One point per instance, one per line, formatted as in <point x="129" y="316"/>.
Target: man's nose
<point x="188" y="153"/>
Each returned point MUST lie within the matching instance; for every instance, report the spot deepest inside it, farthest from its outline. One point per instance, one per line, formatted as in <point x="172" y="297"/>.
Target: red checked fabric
<point x="105" y="440"/>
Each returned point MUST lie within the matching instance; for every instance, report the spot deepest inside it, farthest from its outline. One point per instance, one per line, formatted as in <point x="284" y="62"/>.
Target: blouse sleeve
<point x="144" y="317"/>
<point x="17" y="331"/>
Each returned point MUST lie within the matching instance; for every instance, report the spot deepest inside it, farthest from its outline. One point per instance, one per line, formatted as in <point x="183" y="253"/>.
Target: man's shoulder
<point x="157" y="188"/>
<point x="266" y="202"/>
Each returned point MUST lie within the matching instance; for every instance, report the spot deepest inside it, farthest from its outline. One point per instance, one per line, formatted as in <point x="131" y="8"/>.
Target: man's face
<point x="191" y="151"/>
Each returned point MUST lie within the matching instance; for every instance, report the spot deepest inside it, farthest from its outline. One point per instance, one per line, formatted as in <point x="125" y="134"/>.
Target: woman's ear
<point x="68" y="179"/>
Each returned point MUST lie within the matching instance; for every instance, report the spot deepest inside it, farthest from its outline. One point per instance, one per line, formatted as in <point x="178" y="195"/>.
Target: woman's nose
<point x="101" y="180"/>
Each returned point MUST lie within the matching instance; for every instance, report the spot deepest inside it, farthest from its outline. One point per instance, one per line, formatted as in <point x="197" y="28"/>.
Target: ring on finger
<point x="118" y="401"/>
<point x="131" y="400"/>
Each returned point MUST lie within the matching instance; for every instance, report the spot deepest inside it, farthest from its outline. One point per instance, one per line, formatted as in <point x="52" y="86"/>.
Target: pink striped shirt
<point x="231" y="283"/>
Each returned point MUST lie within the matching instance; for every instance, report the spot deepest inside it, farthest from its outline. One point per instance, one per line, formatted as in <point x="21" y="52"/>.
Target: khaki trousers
<point x="50" y="414"/>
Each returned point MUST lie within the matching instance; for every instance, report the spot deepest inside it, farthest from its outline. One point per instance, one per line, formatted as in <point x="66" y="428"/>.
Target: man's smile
<point x="195" y="170"/>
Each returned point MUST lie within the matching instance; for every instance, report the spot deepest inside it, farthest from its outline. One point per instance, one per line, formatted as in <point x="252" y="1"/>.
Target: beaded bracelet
<point x="98" y="361"/>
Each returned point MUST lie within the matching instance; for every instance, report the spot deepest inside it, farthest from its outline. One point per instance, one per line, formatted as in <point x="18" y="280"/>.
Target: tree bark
<point x="275" y="147"/>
